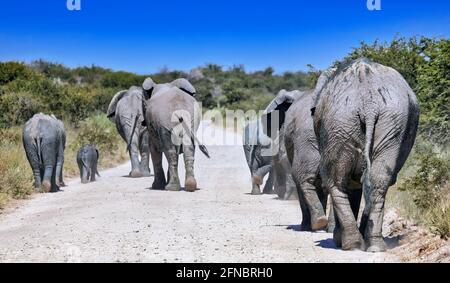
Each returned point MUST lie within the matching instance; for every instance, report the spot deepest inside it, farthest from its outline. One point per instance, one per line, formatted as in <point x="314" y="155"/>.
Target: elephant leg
<point x="135" y="163"/>
<point x="268" y="186"/>
<point x="174" y="180"/>
<point x="59" y="167"/>
<point x="49" y="160"/>
<point x="306" y="217"/>
<point x="145" y="155"/>
<point x="290" y="185"/>
<point x="34" y="161"/>
<point x="280" y="182"/>
<point x="258" y="177"/>
<point x="84" y="174"/>
<point x="92" y="174"/>
<point x="190" y="182"/>
<point x="331" y="218"/>
<point x="347" y="232"/>
<point x="160" y="179"/>
<point x="380" y="178"/>
<point x="318" y="218"/>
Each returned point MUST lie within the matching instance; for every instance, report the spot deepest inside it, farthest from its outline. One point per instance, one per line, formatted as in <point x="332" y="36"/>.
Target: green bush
<point x="17" y="108"/>
<point x="426" y="186"/>
<point x="16" y="179"/>
<point x="99" y="131"/>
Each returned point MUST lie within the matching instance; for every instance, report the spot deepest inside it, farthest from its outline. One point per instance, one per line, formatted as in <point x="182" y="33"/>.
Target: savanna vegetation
<point x="80" y="97"/>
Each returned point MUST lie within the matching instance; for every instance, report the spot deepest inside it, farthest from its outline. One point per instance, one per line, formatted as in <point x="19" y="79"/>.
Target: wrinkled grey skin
<point x="254" y="143"/>
<point x="44" y="141"/>
<point x="125" y="110"/>
<point x="172" y="112"/>
<point x="365" y="121"/>
<point x="297" y="135"/>
<point x="303" y="155"/>
<point x="87" y="160"/>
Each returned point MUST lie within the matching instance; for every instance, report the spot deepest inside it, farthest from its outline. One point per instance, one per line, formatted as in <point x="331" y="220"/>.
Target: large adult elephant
<point x="172" y="116"/>
<point x="365" y="120"/>
<point x="296" y="129"/>
<point x="125" y="110"/>
<point x="256" y="147"/>
<point x="44" y="141"/>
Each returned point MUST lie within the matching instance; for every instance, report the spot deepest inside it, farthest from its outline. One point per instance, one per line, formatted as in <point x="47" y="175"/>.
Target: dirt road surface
<point x="119" y="219"/>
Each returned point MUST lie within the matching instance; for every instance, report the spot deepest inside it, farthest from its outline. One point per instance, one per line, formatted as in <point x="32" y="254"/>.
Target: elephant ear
<point x="185" y="86"/>
<point x="281" y="104"/>
<point x="113" y="104"/>
<point x="148" y="86"/>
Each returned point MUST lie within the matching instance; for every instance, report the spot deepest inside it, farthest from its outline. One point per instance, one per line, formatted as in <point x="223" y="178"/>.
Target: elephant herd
<point x="344" y="141"/>
<point x="347" y="138"/>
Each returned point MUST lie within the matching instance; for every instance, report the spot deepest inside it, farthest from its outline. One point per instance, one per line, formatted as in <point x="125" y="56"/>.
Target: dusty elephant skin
<point x="254" y="142"/>
<point x="44" y="141"/>
<point x="365" y="121"/>
<point x="87" y="160"/>
<point x="125" y="110"/>
<point x="172" y="116"/>
<point x="297" y="134"/>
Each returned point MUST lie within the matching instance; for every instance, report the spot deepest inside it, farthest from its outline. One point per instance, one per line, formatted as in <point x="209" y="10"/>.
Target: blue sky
<point x="143" y="36"/>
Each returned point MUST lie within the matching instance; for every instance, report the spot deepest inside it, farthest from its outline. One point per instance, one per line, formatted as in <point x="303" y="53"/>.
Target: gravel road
<point x="119" y="219"/>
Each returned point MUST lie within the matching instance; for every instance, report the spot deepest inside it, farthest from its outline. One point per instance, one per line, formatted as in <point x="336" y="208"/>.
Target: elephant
<point x="365" y="120"/>
<point x="172" y="116"/>
<point x="44" y="141"/>
<point x="255" y="144"/>
<point x="125" y="110"/>
<point x="296" y="129"/>
<point x="87" y="160"/>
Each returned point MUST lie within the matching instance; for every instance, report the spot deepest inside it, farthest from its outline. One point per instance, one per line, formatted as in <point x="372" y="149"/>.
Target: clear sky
<point x="143" y="36"/>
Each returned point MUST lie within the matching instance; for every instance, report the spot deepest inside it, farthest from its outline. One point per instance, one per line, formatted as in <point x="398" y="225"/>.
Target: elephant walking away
<point x="87" y="160"/>
<point x="44" y="141"/>
<point x="256" y="147"/>
<point x="297" y="132"/>
<point x="125" y="110"/>
<point x="365" y="120"/>
<point x="172" y="116"/>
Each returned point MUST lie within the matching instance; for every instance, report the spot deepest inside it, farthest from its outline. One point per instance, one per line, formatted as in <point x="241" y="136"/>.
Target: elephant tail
<point x="194" y="139"/>
<point x="370" y="129"/>
<point x="133" y="129"/>
<point x="38" y="142"/>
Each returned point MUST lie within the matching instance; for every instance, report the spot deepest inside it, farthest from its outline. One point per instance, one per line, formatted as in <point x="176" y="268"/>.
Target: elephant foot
<point x="61" y="184"/>
<point x="158" y="185"/>
<point x="354" y="242"/>
<point x="136" y="174"/>
<point x="376" y="245"/>
<point x="320" y="223"/>
<point x="173" y="186"/>
<point x="190" y="184"/>
<point x="256" y="192"/>
<point x="337" y="238"/>
<point x="84" y="181"/>
<point x="305" y="227"/>
<point x="269" y="192"/>
<point x="47" y="186"/>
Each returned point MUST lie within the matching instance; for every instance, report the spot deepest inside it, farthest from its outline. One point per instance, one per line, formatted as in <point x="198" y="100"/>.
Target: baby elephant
<point x="87" y="159"/>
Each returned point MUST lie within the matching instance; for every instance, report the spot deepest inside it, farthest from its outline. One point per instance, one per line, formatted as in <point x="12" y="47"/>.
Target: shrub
<point x="99" y="131"/>
<point x="426" y="186"/>
<point x="17" y="108"/>
<point x="16" y="179"/>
